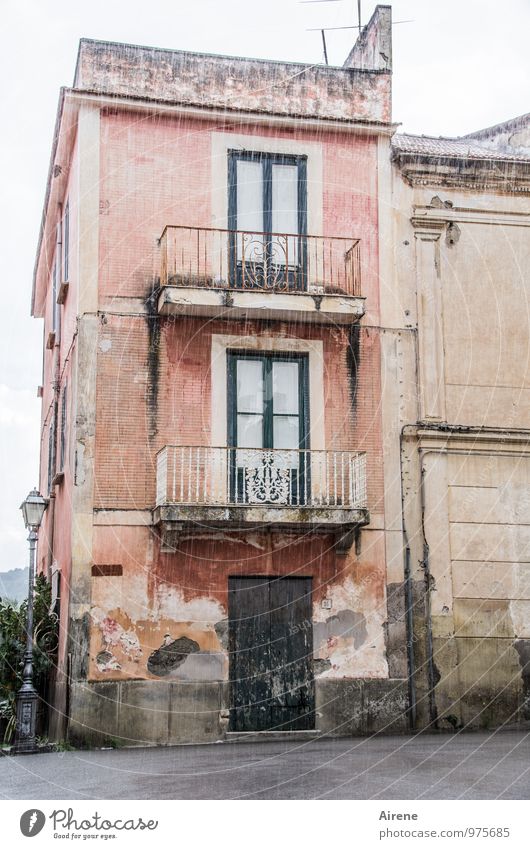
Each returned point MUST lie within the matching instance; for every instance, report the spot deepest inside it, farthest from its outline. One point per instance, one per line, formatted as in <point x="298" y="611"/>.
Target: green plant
<point x="113" y="743"/>
<point x="63" y="746"/>
<point x="453" y="721"/>
<point x="13" y="643"/>
<point x="8" y="714"/>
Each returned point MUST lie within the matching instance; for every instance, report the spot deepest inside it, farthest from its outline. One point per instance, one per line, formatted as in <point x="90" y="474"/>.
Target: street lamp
<point x="27" y="697"/>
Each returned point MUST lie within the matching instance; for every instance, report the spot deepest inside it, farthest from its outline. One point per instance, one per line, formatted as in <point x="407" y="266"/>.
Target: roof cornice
<point x="229" y="115"/>
<point x="508" y="175"/>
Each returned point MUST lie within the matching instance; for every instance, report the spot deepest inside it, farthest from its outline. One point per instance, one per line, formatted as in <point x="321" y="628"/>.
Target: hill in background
<point x="14" y="584"/>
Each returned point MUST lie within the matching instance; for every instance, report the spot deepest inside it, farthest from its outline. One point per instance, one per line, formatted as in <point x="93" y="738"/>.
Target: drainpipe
<point x="433" y="711"/>
<point x="409" y="601"/>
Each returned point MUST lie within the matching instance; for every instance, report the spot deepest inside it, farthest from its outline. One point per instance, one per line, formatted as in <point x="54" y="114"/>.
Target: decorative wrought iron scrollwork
<point x="264" y="261"/>
<point x="268" y="484"/>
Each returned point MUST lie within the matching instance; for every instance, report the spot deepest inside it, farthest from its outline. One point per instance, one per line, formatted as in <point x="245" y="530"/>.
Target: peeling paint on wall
<point x="171" y="655"/>
<point x="79" y="463"/>
<point x="114" y="636"/>
<point x="204" y="666"/>
<point x="106" y="661"/>
<point x="346" y="624"/>
<point x="353" y="638"/>
<point x="221" y="629"/>
<point x="170" y="604"/>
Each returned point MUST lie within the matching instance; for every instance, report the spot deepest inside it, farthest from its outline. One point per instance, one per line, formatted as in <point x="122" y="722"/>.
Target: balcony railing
<point x="204" y="476"/>
<point x="281" y="262"/>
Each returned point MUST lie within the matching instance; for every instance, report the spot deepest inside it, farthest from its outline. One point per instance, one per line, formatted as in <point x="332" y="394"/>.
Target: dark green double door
<point x="271" y="654"/>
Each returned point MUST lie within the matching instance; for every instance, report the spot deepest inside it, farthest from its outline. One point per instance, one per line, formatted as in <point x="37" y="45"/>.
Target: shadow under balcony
<point x="236" y="274"/>
<point x="242" y="489"/>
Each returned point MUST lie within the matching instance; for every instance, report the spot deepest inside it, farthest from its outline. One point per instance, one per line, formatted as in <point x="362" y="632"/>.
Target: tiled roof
<point x="464" y="148"/>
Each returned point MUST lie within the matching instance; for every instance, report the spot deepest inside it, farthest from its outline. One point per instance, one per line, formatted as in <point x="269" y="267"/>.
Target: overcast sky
<point x="459" y="65"/>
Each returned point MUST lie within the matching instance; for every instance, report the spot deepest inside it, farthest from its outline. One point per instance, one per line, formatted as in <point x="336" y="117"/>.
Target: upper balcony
<point x="251" y="488"/>
<point x="239" y="274"/>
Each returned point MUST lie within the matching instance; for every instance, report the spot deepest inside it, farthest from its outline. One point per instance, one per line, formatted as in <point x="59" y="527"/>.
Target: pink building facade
<point x="208" y="273"/>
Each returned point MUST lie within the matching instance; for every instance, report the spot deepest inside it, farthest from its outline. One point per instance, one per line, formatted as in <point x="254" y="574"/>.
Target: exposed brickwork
<point x="126" y="454"/>
<point x="157" y="172"/>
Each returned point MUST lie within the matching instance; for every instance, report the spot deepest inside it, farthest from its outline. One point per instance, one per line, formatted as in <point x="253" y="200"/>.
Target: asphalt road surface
<point x="493" y="765"/>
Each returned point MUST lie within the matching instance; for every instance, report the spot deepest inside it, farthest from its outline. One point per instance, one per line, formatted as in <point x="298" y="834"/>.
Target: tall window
<point x="63" y="427"/>
<point x="268" y="410"/>
<point x="66" y="242"/>
<point x="51" y="454"/>
<point x="267" y="210"/>
<point x="54" y="294"/>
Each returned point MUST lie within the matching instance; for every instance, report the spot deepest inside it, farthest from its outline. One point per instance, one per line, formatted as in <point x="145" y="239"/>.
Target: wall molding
<point x="432" y="217"/>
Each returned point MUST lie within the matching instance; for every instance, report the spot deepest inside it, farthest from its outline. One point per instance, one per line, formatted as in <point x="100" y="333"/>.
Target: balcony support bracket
<point x="170" y="533"/>
<point x="345" y="538"/>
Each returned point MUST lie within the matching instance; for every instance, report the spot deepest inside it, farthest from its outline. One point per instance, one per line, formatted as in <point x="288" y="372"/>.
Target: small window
<point x="107" y="570"/>
<point x="56" y="591"/>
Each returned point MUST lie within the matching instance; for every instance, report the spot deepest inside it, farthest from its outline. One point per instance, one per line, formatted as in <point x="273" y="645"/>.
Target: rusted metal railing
<point x="200" y="475"/>
<point x="199" y="256"/>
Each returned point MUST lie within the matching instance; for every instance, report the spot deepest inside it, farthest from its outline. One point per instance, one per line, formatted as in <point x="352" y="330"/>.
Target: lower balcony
<point x="238" y="274"/>
<point x="249" y="488"/>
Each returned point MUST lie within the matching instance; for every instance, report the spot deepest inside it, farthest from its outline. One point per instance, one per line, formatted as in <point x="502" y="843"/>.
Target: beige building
<point x="455" y="303"/>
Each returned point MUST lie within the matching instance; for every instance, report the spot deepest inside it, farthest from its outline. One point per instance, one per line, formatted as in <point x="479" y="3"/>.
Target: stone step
<point x="268" y="736"/>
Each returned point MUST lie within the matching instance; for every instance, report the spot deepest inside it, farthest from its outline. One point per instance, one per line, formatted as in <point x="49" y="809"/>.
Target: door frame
<point x="309" y="716"/>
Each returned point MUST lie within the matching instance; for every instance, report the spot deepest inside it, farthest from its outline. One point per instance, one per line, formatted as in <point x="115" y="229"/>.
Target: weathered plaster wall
<point x="373" y="49"/>
<point x="490" y="385"/>
<point x="181" y="410"/>
<point x="222" y="81"/>
<point x="158" y="171"/>
<point x="481" y="589"/>
<point x="55" y="537"/>
<point x="511" y="137"/>
<point x="461" y="260"/>
<point x="163" y="598"/>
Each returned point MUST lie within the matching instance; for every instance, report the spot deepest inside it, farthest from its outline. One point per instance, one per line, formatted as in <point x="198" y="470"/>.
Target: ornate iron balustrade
<point x="196" y="475"/>
<point x="285" y="262"/>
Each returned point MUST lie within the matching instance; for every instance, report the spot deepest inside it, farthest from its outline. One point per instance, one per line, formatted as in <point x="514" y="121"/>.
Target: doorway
<point x="271" y="654"/>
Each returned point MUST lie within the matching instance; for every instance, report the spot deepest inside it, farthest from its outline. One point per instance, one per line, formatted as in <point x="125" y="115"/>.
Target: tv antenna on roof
<point x="323" y="31"/>
<point x="358" y="26"/>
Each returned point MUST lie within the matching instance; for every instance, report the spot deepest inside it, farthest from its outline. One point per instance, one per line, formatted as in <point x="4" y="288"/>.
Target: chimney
<point x="373" y="49"/>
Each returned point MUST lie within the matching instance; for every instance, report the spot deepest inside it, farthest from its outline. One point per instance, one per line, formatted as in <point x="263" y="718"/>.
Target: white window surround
<point x="223" y="142"/>
<point x="314" y="348"/>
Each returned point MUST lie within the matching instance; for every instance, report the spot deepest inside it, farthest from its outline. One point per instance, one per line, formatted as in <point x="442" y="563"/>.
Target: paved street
<point x="471" y="766"/>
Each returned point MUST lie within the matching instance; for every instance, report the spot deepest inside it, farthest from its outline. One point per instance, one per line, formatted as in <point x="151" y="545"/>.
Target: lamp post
<point x="27" y="697"/>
